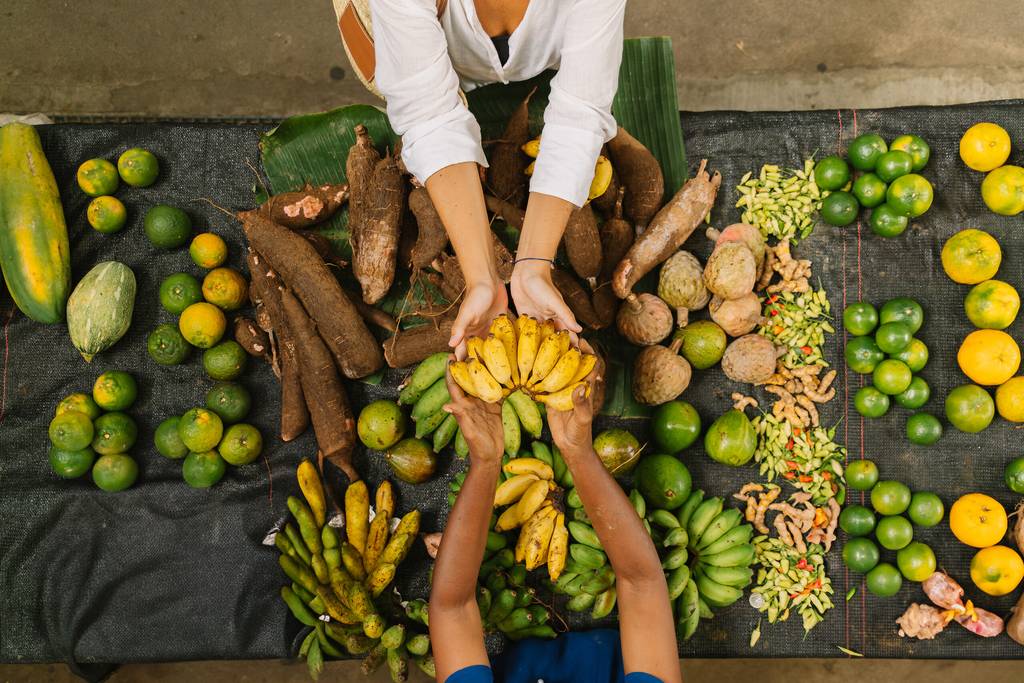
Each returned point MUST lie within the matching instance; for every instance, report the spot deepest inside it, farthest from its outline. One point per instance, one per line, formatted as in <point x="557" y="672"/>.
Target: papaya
<point x="35" y="255"/>
<point x="731" y="439"/>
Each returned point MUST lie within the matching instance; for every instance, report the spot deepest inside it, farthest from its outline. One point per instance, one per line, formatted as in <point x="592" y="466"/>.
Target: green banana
<point x="501" y="605"/>
<point x="602" y="581"/>
<point x="461" y="446"/>
<point x="519" y="618"/>
<point x="574" y="586"/>
<point x="587" y="556"/>
<point x="572" y="499"/>
<point x="703" y="516"/>
<point x="705" y="611"/>
<point x="604" y="604"/>
<point x="444" y="434"/>
<point x="510" y="427"/>
<point x="689" y="610"/>
<point x="677" y="580"/>
<point x="687" y="508"/>
<point x="542" y="631"/>
<point x="581" y="602"/>
<point x="496" y="541"/>
<point x="663" y="518"/>
<point x="580" y="515"/>
<point x="636" y="499"/>
<point x="676" y="537"/>
<point x="737" y="556"/>
<point x="559" y="467"/>
<point x="738" y="577"/>
<point x="716" y="594"/>
<point x="517" y="575"/>
<point x="418" y="645"/>
<point x="526" y="410"/>
<point x="725" y="520"/>
<point x="427" y="425"/>
<point x="423" y="377"/>
<point x="431" y="401"/>
<point x="735" y="536"/>
<point x="564" y="580"/>
<point x="394" y="637"/>
<point x="585" y="534"/>
<point x="483" y="601"/>
<point x="676" y="558"/>
<point x="541" y="452"/>
<point x="565" y="481"/>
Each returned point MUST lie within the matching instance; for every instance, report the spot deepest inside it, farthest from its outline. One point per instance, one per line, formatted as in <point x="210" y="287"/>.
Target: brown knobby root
<point x="920" y="621"/>
<point x="757" y="509"/>
<point x="798" y="538"/>
<point x="783" y="530"/>
<point x="767" y="270"/>
<point x="741" y="402"/>
<point x="808" y="405"/>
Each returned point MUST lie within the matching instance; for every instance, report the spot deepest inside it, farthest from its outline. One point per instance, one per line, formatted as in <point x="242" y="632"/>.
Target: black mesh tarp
<point x="164" y="572"/>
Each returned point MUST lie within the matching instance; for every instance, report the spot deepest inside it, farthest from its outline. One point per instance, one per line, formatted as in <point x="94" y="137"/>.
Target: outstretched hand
<point x="571" y="430"/>
<point x="480" y="422"/>
<point x="481" y="304"/>
<point x="535" y="295"/>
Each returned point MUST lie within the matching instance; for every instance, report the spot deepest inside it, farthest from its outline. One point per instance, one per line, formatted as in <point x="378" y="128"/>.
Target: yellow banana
<point x="532" y="148"/>
<point x="475" y="348"/>
<point x="385" y="499"/>
<point x="313" y="490"/>
<point x="537" y="468"/>
<point x="529" y="168"/>
<point x="460" y="373"/>
<point x="526" y="531"/>
<point x="539" y="540"/>
<point x="526" y="350"/>
<point x="545" y="330"/>
<point x="558" y="548"/>
<point x="509" y="519"/>
<point x="561" y="400"/>
<point x="512" y="489"/>
<point x="547" y="355"/>
<point x="561" y="375"/>
<point x="494" y="357"/>
<point x="505" y="331"/>
<point x="487" y="388"/>
<point x="531" y="501"/>
<point x="357" y="514"/>
<point x="587" y="363"/>
<point x="602" y="177"/>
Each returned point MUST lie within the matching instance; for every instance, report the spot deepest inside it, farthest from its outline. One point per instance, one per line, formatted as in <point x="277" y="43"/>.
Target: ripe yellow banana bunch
<point x="602" y="169"/>
<point x="543" y="537"/>
<point x="524" y="354"/>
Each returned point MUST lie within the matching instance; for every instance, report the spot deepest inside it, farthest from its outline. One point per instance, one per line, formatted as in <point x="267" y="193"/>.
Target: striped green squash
<point x="100" y="309"/>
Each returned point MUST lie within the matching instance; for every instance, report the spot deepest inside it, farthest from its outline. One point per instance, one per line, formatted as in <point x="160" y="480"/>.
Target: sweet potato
<point x="328" y="405"/>
<point x="359" y="165"/>
<point x="750" y="359"/>
<point x="306" y="207"/>
<point x="407" y="347"/>
<point x="640" y="173"/>
<point x="407" y="236"/>
<point x="505" y="176"/>
<point x="576" y="298"/>
<point x="374" y="257"/>
<point x="736" y="316"/>
<point x="617" y="237"/>
<point x="509" y="213"/>
<point x="667" y="231"/>
<point x="304" y="272"/>
<point x="582" y="244"/>
<point x="431" y="238"/>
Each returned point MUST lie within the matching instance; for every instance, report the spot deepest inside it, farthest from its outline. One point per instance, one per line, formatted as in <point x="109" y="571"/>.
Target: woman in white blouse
<point x="426" y="51"/>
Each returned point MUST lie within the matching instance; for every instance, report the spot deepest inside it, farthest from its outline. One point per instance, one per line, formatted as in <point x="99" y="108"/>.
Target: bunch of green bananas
<point x="587" y="578"/>
<point x="506" y="603"/>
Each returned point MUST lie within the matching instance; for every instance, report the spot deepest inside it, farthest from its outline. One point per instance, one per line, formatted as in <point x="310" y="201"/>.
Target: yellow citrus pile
<point x="543" y="537"/>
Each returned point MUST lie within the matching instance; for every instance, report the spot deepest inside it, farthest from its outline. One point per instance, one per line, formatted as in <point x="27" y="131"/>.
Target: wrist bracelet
<point x="534" y="258"/>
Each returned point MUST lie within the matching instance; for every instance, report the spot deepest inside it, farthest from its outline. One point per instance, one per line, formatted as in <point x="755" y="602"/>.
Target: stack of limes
<point x="211" y="438"/>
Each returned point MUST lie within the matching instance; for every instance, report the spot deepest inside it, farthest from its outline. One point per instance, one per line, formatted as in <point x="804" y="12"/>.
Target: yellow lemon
<point x="106" y="214"/>
<point x="992" y="304"/>
<point x="208" y="250"/>
<point x="977" y="520"/>
<point x="202" y="324"/>
<point x="1002" y="190"/>
<point x="989" y="357"/>
<point x="985" y="146"/>
<point x="225" y="287"/>
<point x="997" y="570"/>
<point x="971" y="256"/>
<point x="97" y="177"/>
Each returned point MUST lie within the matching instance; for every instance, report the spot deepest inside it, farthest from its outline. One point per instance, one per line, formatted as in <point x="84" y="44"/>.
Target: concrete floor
<point x="271" y="58"/>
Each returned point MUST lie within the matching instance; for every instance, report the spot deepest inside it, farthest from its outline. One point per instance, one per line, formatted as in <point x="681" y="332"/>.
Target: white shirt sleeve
<point x="421" y="88"/>
<point x="578" y="119"/>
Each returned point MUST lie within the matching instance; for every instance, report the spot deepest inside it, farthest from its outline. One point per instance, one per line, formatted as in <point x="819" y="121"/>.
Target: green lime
<point x="916" y="561"/>
<point x="915" y="146"/>
<point x="831" y="173"/>
<point x="71" y="431"/>
<point x="78" y="403"/>
<point x="865" y="150"/>
<point x="839" y="208"/>
<point x="857" y="520"/>
<point x="870" y="402"/>
<point x="138" y="167"/>
<point x="106" y="215"/>
<point x="926" y="509"/>
<point x="179" y="291"/>
<point x="166" y="345"/>
<point x="115" y="390"/>
<point x="704" y="343"/>
<point x="1014" y="475"/>
<point x="860" y="318"/>
<point x="381" y="425"/>
<point x="915" y="396"/>
<point x="894" y="532"/>
<point x="675" y="426"/>
<point x="861" y="475"/>
<point x="200" y="429"/>
<point x="202" y="470"/>
<point x="242" y="443"/>
<point x="863" y="355"/>
<point x="910" y="195"/>
<point x="166" y="226"/>
<point x="902" y="310"/>
<point x="915" y="355"/>
<point x="167" y="440"/>
<point x="890" y="497"/>
<point x="893" y="164"/>
<point x="860" y="554"/>
<point x="892" y="377"/>
<point x="115" y="433"/>
<point x="114" y="472"/>
<point x="97" y="177"/>
<point x="923" y="429"/>
<point x="884" y="580"/>
<point x="71" y="464"/>
<point x="224" y="361"/>
<point x="663" y="480"/>
<point x="970" y="408"/>
<point x="230" y="400"/>
<point x="992" y="304"/>
<point x="869" y="190"/>
<point x="886" y="221"/>
<point x="893" y="337"/>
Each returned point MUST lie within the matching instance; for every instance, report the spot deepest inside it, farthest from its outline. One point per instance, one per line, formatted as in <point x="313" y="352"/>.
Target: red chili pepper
<point x="789" y="475"/>
<point x="806" y="478"/>
<point x="806" y="349"/>
<point x="802" y="564"/>
<point x="774" y="311"/>
<point x="791" y="464"/>
<point x="773" y="298"/>
<point x="826" y="475"/>
<point x="790" y="444"/>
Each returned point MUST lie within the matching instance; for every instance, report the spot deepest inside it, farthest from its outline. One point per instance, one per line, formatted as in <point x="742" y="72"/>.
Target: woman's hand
<point x="535" y="295"/>
<point x="482" y="303"/>
<point x="480" y="422"/>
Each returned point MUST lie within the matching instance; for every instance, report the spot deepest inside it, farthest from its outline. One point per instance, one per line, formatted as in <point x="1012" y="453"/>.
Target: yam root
<point x="300" y="267"/>
<point x="374" y="256"/>
<point x="644" y="319"/>
<point x="323" y="247"/>
<point x="431" y="238"/>
<point x="669" y="228"/>
<point x="506" y="211"/>
<point x="250" y="337"/>
<point x="306" y="207"/>
<point x="599" y="384"/>
<point x="372" y="314"/>
<point x="506" y="177"/>
<point x="583" y="244"/>
<point x="359" y="166"/>
<point x="576" y="298"/>
<point x="407" y="347"/>
<point x="736" y="316"/>
<point x="328" y="404"/>
<point x="617" y="237"/>
<point x="750" y="359"/>
<point x="640" y="173"/>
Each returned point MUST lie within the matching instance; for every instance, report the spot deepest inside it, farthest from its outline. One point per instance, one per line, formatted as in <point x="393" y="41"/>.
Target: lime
<point x="242" y="443"/>
<point x="885" y="221"/>
<point x="225" y="360"/>
<point x="1002" y="190"/>
<point x="865" y="150"/>
<point x="618" y="450"/>
<point x="863" y="355"/>
<point x="97" y="177"/>
<point x="226" y="287"/>
<point x="675" y="426"/>
<point x="970" y="408"/>
<point x="926" y="509"/>
<point x="115" y="433"/>
<point x="166" y="226"/>
<point x="916" y="147"/>
<point x="166" y="345"/>
<point x="860" y="554"/>
<point x="910" y="195"/>
<point x="106" y="214"/>
<point x="831" y="173"/>
<point x="78" y="403"/>
<point x="893" y="164"/>
<point x="202" y="470"/>
<point x="884" y="580"/>
<point x="857" y="520"/>
<point x="138" y="167"/>
<point x="115" y="390"/>
<point x="202" y="324"/>
<point x="892" y="377"/>
<point x="860" y="318"/>
<point x="703" y="343"/>
<point x="915" y="355"/>
<point x="902" y="310"/>
<point x="167" y="440"/>
<point x="229" y="400"/>
<point x="71" y="464"/>
<point x="923" y="429"/>
<point x="992" y="304"/>
<point x="890" y="497"/>
<point x="869" y="190"/>
<point x="200" y="429"/>
<point x="861" y="475"/>
<point x="381" y="425"/>
<point x="915" y="396"/>
<point x="208" y="250"/>
<point x="916" y="561"/>
<point x="71" y="431"/>
<point x="894" y="532"/>
<point x="1014" y="475"/>
<point x="839" y="208"/>
<point x="893" y="337"/>
<point x="179" y="291"/>
<point x="114" y="472"/>
<point x="870" y="402"/>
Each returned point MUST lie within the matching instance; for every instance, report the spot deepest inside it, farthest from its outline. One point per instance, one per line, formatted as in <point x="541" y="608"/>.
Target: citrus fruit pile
<point x="980" y="521"/>
<point x="99" y="179"/>
<point x="84" y="426"/>
<point x="211" y="438"/>
<point x="888" y="182"/>
<point x="985" y="147"/>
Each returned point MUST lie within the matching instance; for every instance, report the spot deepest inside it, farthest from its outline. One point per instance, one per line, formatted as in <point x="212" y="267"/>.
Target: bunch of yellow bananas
<point x="525" y="354"/>
<point x="602" y="169"/>
<point x="543" y="537"/>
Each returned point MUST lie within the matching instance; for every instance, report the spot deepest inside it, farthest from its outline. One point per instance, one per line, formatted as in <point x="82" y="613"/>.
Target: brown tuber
<point x="251" y="338"/>
<point x="750" y="359"/>
<point x="582" y="243"/>
<point x="736" y="316"/>
<point x="407" y="347"/>
<point x="359" y="165"/>
<point x="617" y="237"/>
<point x="644" y="319"/>
<point x="306" y="207"/>
<point x="431" y="238"/>
<point x="576" y="298"/>
<point x="375" y="254"/>
<point x="640" y="173"/>
<point x="731" y="271"/>
<point x="506" y="176"/>
<point x="660" y="374"/>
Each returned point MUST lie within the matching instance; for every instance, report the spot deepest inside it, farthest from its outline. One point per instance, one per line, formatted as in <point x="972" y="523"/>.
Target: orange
<point x="1010" y="399"/>
<point x="992" y="304"/>
<point x="106" y="214"/>
<point x="1002" y="190"/>
<point x="977" y="520"/>
<point x="208" y="250"/>
<point x="997" y="570"/>
<point x="985" y="146"/>
<point x="989" y="357"/>
<point x="225" y="287"/>
<point x="97" y="177"/>
<point x="971" y="256"/>
<point x="202" y="324"/>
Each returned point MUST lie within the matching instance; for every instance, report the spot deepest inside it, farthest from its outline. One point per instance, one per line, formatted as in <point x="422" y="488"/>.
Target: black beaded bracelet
<point x="534" y="258"/>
